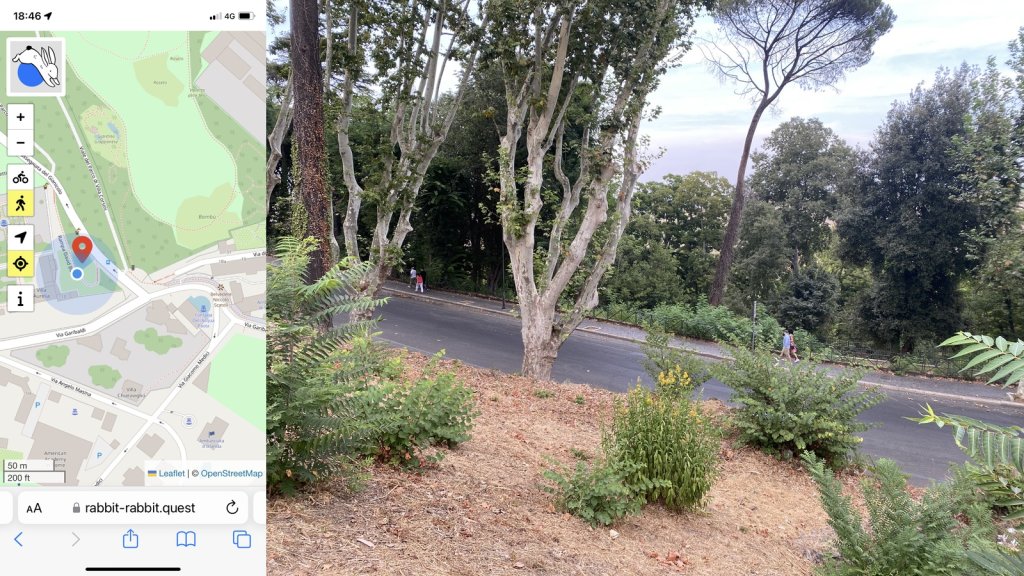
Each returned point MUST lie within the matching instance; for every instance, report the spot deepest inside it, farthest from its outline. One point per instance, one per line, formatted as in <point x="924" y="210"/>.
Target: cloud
<point x="703" y="122"/>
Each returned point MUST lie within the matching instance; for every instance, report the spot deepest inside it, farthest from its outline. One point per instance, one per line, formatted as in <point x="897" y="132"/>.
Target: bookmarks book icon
<point x="185" y="538"/>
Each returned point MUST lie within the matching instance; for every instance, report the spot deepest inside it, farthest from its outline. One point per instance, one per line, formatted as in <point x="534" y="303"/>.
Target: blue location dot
<point x="77" y="273"/>
<point x="29" y="75"/>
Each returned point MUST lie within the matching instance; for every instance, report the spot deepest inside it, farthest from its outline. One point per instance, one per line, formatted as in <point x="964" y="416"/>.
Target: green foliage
<point x="997" y="458"/>
<point x="802" y="170"/>
<point x="718" y="323"/>
<point x="316" y="418"/>
<point x="599" y="493"/>
<point x="927" y="200"/>
<point x="1004" y="359"/>
<point x="673" y="442"/>
<point x="808" y="300"/>
<point x="762" y="262"/>
<point x="644" y="275"/>
<point x="903" y="536"/>
<point x="434" y="410"/>
<point x="995" y="296"/>
<point x="661" y="448"/>
<point x="659" y="358"/>
<point x="684" y="216"/>
<point x="998" y="562"/>
<point x="789" y="409"/>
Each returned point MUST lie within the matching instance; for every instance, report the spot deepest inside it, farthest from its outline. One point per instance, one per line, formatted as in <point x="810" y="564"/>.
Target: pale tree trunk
<point x="544" y="329"/>
<point x="418" y="128"/>
<point x="276" y="139"/>
<point x="540" y="346"/>
<point x="329" y="31"/>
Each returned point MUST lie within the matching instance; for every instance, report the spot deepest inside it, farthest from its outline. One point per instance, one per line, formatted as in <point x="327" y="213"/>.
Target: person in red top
<point x="419" y="282"/>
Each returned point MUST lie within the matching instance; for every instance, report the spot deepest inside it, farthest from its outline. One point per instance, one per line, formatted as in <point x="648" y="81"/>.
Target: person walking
<point x="412" y="277"/>
<point x="787" y="343"/>
<point x="792" y="348"/>
<point x="419" y="283"/>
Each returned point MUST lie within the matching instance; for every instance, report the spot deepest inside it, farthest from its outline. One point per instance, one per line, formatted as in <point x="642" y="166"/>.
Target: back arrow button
<point x="16" y="541"/>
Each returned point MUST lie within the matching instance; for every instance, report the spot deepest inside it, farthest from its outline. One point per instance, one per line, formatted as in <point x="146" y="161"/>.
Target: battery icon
<point x="245" y="15"/>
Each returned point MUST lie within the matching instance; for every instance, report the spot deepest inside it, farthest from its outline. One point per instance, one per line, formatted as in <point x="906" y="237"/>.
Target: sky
<point x="703" y="122"/>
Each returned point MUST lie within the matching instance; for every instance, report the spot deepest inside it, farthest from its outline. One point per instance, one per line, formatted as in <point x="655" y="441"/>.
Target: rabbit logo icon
<point x="35" y="67"/>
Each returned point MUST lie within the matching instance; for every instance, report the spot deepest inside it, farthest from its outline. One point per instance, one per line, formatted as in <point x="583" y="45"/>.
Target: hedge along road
<point x="490" y="340"/>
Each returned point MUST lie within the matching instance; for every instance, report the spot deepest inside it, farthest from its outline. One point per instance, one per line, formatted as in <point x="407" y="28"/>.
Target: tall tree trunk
<point x="309" y="132"/>
<point x="276" y="139"/>
<point x="1009" y="315"/>
<point x="732" y="228"/>
<point x="540" y="344"/>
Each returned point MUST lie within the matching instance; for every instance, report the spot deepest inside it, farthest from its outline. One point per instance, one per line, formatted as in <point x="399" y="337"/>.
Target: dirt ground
<point x="481" y="509"/>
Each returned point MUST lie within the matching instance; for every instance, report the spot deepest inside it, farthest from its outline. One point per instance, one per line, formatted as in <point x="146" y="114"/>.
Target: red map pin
<point x="82" y="246"/>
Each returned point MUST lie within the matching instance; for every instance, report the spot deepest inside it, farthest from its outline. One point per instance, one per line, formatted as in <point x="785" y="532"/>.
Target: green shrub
<point x="807" y="344"/>
<point x="997" y="458"/>
<point x="788" y="409"/>
<point x="716" y="323"/>
<point x="903" y="536"/>
<point x="599" y="493"/>
<point x="661" y="447"/>
<point x="673" y="444"/>
<point x="435" y="410"/>
<point x="317" y="424"/>
<point x="659" y="358"/>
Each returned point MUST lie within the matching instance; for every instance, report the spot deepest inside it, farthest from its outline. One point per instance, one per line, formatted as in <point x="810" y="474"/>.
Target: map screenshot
<point x="132" y="288"/>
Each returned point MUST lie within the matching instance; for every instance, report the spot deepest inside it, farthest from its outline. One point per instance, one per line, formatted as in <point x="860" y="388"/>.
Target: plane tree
<point x="397" y="58"/>
<point x="576" y="76"/>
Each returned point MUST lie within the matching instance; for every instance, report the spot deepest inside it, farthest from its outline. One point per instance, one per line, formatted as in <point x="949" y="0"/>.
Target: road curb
<point x="421" y="296"/>
<point x="887" y="387"/>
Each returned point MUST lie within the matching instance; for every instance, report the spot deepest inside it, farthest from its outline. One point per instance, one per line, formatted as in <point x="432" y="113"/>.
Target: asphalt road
<point x="492" y="341"/>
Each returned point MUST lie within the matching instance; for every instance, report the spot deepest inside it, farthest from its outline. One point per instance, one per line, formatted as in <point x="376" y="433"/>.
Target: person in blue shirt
<point x="787" y="342"/>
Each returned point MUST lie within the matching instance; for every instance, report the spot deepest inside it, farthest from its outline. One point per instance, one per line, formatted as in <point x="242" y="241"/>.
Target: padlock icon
<point x="76" y="508"/>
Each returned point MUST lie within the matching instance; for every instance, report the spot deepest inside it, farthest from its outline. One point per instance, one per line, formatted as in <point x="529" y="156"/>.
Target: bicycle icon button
<point x="20" y="178"/>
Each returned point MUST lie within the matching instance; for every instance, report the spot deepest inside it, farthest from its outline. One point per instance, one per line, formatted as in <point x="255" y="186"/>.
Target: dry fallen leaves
<point x="480" y="510"/>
